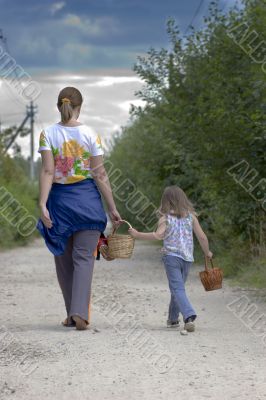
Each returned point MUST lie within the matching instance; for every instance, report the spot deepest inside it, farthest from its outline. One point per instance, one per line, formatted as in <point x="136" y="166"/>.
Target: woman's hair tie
<point x="66" y="100"/>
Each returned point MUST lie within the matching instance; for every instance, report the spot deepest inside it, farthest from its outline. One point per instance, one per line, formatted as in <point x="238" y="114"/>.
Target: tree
<point x="204" y="113"/>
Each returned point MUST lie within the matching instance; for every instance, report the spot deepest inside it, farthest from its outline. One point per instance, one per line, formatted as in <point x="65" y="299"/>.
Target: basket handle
<point x="207" y="260"/>
<point x="124" y="222"/>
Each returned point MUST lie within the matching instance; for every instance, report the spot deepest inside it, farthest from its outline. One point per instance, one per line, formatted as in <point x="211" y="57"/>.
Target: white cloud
<point x="126" y="105"/>
<point x="72" y="20"/>
<point x="55" y="44"/>
<point x="91" y="26"/>
<point x="63" y="77"/>
<point x="112" y="80"/>
<point x="55" y="7"/>
<point x="101" y="120"/>
<point x="105" y="108"/>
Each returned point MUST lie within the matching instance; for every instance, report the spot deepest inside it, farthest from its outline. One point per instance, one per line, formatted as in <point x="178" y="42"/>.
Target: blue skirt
<point x="73" y="207"/>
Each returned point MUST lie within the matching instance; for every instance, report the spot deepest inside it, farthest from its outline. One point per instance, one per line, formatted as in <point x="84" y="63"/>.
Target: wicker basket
<point x="211" y="278"/>
<point x="120" y="246"/>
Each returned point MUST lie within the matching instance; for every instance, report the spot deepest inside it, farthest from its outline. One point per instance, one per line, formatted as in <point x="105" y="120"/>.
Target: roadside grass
<point x="252" y="274"/>
<point x="239" y="266"/>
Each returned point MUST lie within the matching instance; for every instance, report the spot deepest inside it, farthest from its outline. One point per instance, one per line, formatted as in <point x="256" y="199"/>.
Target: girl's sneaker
<point x="172" y="324"/>
<point x="189" y="324"/>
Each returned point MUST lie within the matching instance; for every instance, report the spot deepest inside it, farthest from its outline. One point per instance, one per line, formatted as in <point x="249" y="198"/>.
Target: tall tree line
<point x="203" y="125"/>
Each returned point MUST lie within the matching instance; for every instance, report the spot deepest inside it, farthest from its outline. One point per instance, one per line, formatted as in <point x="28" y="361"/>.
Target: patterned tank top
<point x="179" y="237"/>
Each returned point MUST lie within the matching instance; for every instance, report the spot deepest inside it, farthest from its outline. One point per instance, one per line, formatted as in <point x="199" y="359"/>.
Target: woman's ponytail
<point x="66" y="110"/>
<point x="69" y="98"/>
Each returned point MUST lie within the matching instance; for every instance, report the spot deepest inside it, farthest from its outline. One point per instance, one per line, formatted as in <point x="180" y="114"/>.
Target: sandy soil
<point x="128" y="353"/>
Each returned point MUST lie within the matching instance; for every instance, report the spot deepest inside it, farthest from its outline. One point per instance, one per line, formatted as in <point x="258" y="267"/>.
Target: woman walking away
<point x="176" y="225"/>
<point x="72" y="213"/>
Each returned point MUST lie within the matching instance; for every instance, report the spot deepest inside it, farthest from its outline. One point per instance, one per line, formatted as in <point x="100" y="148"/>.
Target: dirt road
<point x="128" y="353"/>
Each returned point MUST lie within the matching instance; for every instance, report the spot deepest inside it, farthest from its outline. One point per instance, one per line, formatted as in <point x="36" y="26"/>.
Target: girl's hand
<point x="209" y="255"/>
<point x="45" y="217"/>
<point x="133" y="232"/>
<point x="115" y="217"/>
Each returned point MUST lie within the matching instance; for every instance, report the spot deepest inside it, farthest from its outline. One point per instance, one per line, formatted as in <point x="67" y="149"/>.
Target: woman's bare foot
<point x="81" y="324"/>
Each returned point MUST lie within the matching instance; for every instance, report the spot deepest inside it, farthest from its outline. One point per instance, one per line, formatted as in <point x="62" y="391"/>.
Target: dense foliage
<point x="18" y="197"/>
<point x="204" y="114"/>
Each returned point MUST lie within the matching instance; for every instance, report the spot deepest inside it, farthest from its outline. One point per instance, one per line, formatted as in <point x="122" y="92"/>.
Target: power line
<point x="13" y="138"/>
<point x="194" y="16"/>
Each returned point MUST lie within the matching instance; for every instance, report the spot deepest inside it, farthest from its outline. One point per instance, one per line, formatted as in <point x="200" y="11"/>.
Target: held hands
<point x="115" y="217"/>
<point x="133" y="232"/>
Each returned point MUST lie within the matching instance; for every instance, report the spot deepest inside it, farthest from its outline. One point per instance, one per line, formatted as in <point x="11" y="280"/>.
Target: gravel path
<point x="128" y="353"/>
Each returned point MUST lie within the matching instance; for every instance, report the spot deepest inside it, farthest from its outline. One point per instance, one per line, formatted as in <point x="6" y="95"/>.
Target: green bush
<point x="24" y="194"/>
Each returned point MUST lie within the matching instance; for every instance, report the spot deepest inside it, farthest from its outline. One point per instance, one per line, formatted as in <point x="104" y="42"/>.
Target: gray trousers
<point x="74" y="271"/>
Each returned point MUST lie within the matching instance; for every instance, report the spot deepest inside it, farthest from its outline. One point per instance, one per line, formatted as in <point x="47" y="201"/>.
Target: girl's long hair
<point x="68" y="99"/>
<point x="175" y="202"/>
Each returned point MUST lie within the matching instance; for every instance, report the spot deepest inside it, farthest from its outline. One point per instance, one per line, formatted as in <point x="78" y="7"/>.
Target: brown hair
<point x="68" y="99"/>
<point x="175" y="202"/>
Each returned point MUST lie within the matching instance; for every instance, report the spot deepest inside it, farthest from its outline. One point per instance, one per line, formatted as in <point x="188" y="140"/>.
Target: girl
<point x="175" y="227"/>
<point x="72" y="213"/>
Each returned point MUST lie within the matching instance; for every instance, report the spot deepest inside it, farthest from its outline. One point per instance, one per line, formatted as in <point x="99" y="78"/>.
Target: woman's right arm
<point x="101" y="178"/>
<point x="46" y="180"/>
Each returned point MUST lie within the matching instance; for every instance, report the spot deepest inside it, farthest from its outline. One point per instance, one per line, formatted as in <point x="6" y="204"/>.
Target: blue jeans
<point x="177" y="271"/>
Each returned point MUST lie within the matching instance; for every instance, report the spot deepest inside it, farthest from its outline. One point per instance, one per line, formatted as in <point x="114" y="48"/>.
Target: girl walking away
<point x="72" y="213"/>
<point x="176" y="225"/>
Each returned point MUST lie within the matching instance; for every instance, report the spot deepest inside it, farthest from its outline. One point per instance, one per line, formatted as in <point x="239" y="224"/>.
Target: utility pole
<point x="31" y="111"/>
<point x="16" y="134"/>
<point x="30" y="114"/>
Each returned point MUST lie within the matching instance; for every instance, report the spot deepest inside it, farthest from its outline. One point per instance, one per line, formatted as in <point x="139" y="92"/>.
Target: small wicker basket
<point x="211" y="278"/>
<point x="120" y="246"/>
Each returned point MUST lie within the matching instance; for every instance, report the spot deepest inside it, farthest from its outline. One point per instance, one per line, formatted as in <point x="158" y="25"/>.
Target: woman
<point x="72" y="214"/>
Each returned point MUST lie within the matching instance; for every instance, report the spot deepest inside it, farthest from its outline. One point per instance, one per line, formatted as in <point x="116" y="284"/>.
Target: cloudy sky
<point x="90" y="44"/>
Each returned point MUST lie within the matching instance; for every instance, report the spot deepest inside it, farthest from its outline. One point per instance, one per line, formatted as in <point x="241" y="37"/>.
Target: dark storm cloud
<point x="89" y="33"/>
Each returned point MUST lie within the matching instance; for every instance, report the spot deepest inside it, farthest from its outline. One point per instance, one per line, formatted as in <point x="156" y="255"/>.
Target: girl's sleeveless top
<point x="179" y="237"/>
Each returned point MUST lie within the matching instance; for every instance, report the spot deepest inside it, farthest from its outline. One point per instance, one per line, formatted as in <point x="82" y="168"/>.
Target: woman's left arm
<point x="46" y="180"/>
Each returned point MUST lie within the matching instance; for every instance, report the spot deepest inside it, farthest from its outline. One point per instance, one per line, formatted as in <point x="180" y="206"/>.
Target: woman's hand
<point x="45" y="217"/>
<point x="115" y="217"/>
<point x="133" y="232"/>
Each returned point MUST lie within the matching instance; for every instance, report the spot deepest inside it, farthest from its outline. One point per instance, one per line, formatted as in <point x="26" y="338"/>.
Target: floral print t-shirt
<point x="72" y="148"/>
<point x="179" y="237"/>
